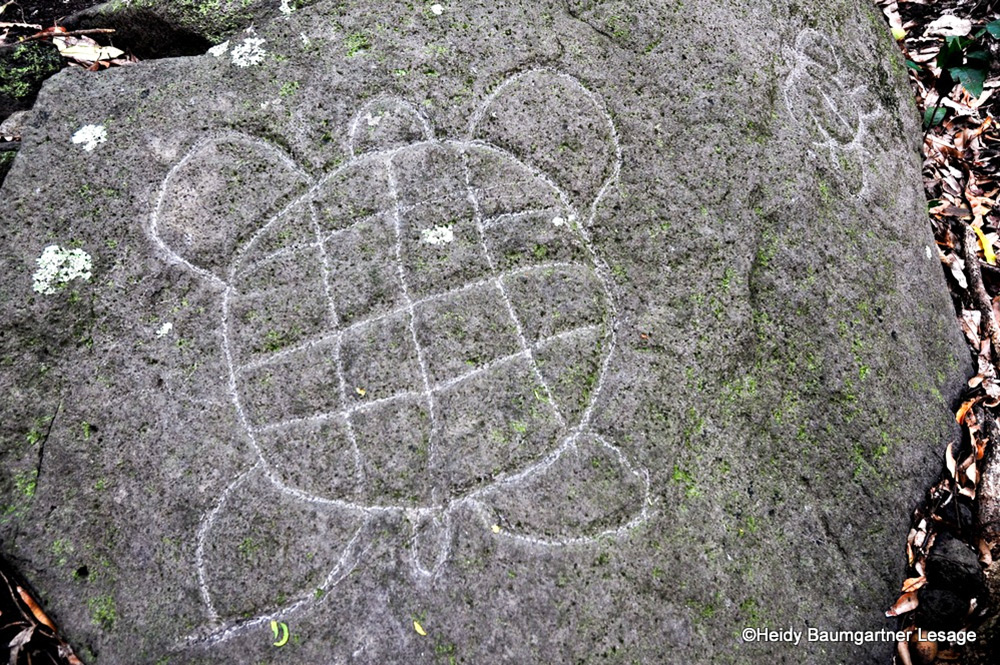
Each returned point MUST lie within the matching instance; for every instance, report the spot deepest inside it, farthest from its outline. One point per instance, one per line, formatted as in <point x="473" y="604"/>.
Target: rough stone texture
<point x="586" y="332"/>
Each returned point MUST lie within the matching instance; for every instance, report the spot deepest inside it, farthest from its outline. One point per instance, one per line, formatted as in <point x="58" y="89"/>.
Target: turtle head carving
<point x="419" y="335"/>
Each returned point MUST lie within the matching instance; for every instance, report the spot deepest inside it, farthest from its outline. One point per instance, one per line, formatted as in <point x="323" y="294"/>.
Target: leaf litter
<point x="951" y="48"/>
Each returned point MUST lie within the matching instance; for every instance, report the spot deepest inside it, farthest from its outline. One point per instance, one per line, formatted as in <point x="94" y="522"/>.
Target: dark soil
<point x="44" y="12"/>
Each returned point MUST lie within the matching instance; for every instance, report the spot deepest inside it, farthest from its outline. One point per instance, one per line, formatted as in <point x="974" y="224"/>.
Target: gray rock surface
<point x="586" y="332"/>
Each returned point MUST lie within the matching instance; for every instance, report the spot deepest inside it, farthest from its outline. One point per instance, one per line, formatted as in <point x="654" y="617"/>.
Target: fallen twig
<point x="68" y="33"/>
<point x="976" y="288"/>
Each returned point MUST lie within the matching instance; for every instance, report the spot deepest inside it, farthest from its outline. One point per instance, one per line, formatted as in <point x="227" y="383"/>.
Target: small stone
<point x="437" y="9"/>
<point x="14" y="125"/>
<point x="941" y="609"/>
<point x="954" y="565"/>
<point x="924" y="652"/>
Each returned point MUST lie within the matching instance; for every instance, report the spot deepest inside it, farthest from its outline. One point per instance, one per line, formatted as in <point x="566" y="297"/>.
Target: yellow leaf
<point x="496" y="528"/>
<point x="361" y="391"/>
<point x="898" y="33"/>
<point x="987" y="246"/>
<point x="417" y="627"/>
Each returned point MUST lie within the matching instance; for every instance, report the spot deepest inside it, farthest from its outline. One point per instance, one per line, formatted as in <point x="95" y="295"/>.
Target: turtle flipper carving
<point x="420" y="335"/>
<point x="263" y="549"/>
<point x="586" y="484"/>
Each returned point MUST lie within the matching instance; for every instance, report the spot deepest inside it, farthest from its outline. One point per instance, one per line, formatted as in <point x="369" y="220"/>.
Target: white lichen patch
<point x="90" y="136"/>
<point x="439" y="235"/>
<point x="437" y="9"/>
<point x="57" y="267"/>
<point x="250" y="52"/>
<point x="928" y="252"/>
<point x="558" y="221"/>
<point x="165" y="329"/>
<point x="219" y="50"/>
<point x="286" y="7"/>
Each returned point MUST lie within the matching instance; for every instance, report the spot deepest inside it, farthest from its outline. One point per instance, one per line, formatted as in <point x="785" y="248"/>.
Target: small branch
<point x="977" y="290"/>
<point x="993" y="270"/>
<point x="70" y="33"/>
<point x="33" y="26"/>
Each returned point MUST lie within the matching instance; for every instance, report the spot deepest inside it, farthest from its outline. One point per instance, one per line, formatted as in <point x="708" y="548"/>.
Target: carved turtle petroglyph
<point x="420" y="334"/>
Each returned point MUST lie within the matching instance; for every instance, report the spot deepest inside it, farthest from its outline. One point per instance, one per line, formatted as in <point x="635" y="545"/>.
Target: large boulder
<point x="476" y="332"/>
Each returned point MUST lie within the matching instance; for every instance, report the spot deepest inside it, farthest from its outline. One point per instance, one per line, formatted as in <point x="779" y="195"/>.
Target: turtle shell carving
<point x="418" y="336"/>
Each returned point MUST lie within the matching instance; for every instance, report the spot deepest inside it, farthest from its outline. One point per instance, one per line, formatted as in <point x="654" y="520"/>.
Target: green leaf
<point x="912" y="65"/>
<point x="971" y="78"/>
<point x="982" y="56"/>
<point x="994" y="28"/>
<point x="951" y="53"/>
<point x="934" y="115"/>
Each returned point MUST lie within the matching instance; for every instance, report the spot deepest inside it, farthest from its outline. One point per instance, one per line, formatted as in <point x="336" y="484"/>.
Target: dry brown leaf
<point x="949" y="26"/>
<point x="972" y="473"/>
<point x="956" y="266"/>
<point x="992" y="391"/>
<point x="985" y="552"/>
<point x="949" y="459"/>
<point x="35" y="609"/>
<point x="964" y="409"/>
<point x="914" y="583"/>
<point x="905" y="603"/>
